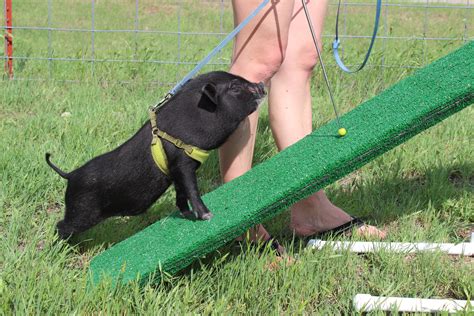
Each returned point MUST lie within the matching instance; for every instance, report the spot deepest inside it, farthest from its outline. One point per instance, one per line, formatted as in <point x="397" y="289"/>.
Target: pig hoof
<point x="206" y="216"/>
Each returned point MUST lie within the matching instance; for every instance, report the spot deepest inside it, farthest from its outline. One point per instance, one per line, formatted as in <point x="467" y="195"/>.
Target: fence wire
<point x="115" y="39"/>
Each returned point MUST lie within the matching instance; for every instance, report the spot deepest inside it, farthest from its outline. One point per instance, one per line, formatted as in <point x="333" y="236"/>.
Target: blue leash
<point x="336" y="43"/>
<point x="216" y="50"/>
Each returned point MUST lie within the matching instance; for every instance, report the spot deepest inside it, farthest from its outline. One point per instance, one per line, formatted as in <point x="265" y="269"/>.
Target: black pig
<point x="127" y="181"/>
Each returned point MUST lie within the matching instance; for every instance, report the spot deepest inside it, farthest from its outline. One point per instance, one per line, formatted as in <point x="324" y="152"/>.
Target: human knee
<point x="260" y="68"/>
<point x="271" y="63"/>
<point x="307" y="60"/>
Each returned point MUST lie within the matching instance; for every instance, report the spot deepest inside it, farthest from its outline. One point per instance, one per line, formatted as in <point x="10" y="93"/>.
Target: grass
<point x="420" y="191"/>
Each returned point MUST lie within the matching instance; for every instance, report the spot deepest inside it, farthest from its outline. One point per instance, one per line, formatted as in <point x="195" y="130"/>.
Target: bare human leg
<point x="259" y="50"/>
<point x="291" y="118"/>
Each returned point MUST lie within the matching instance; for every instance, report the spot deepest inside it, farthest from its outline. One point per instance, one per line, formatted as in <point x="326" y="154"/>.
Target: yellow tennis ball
<point x="342" y="131"/>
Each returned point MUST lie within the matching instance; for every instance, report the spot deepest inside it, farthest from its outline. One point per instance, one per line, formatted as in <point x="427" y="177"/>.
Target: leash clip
<point x="161" y="103"/>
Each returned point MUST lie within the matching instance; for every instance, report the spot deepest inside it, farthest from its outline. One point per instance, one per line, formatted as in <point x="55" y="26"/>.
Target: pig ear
<point x="210" y="91"/>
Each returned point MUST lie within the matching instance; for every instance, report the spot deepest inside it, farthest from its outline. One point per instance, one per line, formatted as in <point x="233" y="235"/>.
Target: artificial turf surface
<point x="376" y="126"/>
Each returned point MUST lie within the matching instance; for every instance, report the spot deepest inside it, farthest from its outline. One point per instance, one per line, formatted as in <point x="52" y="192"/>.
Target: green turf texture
<point x="374" y="127"/>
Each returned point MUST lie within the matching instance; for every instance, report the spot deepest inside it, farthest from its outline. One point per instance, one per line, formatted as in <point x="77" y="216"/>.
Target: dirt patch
<point x="21" y="246"/>
<point x="54" y="208"/>
<point x="40" y="245"/>
<point x="459" y="180"/>
<point x="465" y="233"/>
<point x="80" y="262"/>
<point x="462" y="260"/>
<point x="415" y="176"/>
<point x="347" y="183"/>
<point x="15" y="115"/>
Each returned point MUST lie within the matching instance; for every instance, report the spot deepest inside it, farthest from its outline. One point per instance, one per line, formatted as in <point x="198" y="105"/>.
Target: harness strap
<point x="194" y="152"/>
<point x="158" y="151"/>
<point x="159" y="156"/>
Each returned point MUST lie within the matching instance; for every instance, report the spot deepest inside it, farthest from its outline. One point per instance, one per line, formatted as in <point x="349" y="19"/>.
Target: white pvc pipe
<point x="466" y="249"/>
<point x="367" y="303"/>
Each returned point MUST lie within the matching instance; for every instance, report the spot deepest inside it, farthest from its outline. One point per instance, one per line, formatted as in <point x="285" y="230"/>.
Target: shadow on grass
<point x="406" y="193"/>
<point x="116" y="229"/>
<point x="385" y="199"/>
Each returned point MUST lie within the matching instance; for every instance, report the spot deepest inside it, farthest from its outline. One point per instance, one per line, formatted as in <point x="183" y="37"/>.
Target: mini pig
<point x="127" y="180"/>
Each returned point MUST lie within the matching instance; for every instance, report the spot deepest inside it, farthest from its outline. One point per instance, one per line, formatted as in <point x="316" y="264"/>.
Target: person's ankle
<point x="255" y="234"/>
<point x="302" y="231"/>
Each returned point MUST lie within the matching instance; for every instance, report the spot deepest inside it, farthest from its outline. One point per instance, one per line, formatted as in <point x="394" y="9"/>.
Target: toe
<point x="370" y="231"/>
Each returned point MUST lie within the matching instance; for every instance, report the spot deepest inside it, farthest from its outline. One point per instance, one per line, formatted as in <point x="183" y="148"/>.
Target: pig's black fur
<point x="126" y="181"/>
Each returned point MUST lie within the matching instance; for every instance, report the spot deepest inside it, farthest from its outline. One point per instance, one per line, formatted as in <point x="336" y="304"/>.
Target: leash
<point x="206" y="59"/>
<point x="196" y="153"/>
<point x="336" y="43"/>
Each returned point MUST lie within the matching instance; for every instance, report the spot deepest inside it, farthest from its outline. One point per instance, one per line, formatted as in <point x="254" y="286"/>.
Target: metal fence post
<point x="8" y="39"/>
<point x="135" y="52"/>
<point x="50" y="47"/>
<point x="178" y="55"/>
<point x="92" y="37"/>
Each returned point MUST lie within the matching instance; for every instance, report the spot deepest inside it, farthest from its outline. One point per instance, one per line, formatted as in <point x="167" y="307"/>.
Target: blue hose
<point x="336" y="43"/>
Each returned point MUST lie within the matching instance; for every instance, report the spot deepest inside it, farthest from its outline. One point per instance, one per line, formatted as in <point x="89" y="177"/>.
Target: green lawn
<point x="420" y="191"/>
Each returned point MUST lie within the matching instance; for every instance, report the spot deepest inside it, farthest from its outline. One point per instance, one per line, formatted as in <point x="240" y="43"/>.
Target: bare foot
<point x="368" y="231"/>
<point x="279" y="262"/>
<point x="317" y="214"/>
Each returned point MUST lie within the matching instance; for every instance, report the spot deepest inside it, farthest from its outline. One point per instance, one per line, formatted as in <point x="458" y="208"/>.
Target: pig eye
<point x="234" y="86"/>
<point x="235" y="89"/>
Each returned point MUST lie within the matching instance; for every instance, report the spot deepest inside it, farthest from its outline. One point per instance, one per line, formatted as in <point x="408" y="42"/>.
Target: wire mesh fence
<point x="160" y="41"/>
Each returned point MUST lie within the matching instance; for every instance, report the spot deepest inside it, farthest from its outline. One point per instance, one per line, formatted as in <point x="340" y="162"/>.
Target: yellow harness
<point x="158" y="151"/>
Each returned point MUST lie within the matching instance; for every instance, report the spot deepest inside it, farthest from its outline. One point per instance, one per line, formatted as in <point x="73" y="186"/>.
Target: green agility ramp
<point x="376" y="126"/>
